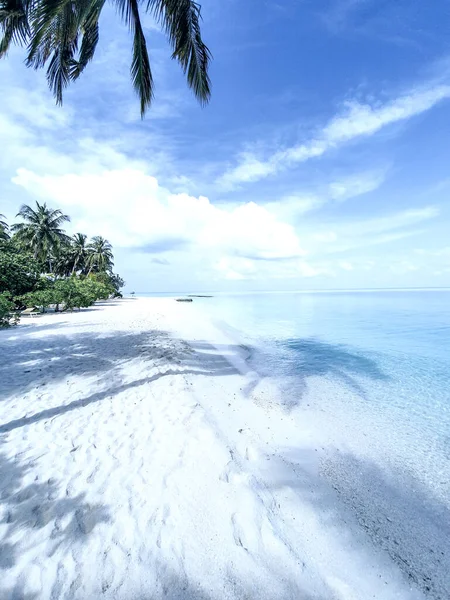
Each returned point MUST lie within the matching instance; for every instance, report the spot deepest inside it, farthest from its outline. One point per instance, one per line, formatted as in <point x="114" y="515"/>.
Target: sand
<point x="141" y="458"/>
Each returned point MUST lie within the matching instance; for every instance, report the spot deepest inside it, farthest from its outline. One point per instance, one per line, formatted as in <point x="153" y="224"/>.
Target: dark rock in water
<point x="184" y="299"/>
<point x="198" y="296"/>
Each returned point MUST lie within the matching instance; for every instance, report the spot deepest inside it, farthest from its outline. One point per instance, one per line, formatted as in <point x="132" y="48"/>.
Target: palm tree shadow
<point x="17" y="592"/>
<point x="27" y="507"/>
<point x="48" y="360"/>
<point x="388" y="507"/>
<point x="306" y="358"/>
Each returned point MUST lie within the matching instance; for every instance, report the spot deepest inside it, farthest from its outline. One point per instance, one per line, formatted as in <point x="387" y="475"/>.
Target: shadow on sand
<point x="45" y="360"/>
<point x="389" y="507"/>
<point x="29" y="504"/>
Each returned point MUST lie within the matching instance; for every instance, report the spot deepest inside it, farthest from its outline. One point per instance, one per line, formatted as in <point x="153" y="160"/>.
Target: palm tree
<point x="78" y="251"/>
<point x="65" y="35"/>
<point x="3" y="229"/>
<point x="41" y="232"/>
<point x="99" y="257"/>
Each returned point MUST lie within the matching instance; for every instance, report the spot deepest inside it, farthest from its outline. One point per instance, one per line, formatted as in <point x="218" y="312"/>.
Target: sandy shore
<point x="141" y="458"/>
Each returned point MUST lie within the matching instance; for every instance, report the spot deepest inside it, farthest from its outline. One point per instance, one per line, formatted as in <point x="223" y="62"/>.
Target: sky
<point x="321" y="162"/>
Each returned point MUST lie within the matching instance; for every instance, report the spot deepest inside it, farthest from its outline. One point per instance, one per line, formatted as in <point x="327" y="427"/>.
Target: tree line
<point x="41" y="266"/>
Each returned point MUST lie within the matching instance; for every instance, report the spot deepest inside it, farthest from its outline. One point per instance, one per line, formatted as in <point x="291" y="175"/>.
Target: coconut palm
<point x="78" y="251"/>
<point x="63" y="262"/>
<point x="99" y="255"/>
<point x="3" y="229"/>
<point x="41" y="231"/>
<point x="64" y="35"/>
<point x="72" y="256"/>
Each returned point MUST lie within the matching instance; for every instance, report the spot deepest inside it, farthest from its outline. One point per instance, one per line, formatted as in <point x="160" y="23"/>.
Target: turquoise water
<point x="385" y="355"/>
<point x="368" y="376"/>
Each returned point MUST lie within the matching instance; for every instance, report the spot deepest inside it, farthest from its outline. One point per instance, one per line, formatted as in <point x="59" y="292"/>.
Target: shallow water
<point x="368" y="373"/>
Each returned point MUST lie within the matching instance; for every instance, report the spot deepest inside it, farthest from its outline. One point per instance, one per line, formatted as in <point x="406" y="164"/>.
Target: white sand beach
<point x="141" y="458"/>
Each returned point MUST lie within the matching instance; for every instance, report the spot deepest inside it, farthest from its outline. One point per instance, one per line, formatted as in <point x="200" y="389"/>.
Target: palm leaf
<point x="13" y="23"/>
<point x="141" y="74"/>
<point x="181" y="21"/>
<point x="55" y="34"/>
<point x="65" y="34"/>
<point x="41" y="230"/>
<point x="90" y="31"/>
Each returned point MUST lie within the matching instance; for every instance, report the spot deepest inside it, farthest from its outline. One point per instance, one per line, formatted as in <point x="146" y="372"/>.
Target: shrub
<point x="7" y="317"/>
<point x="79" y="293"/>
<point x="42" y="298"/>
<point x="112" y="281"/>
<point x="18" y="273"/>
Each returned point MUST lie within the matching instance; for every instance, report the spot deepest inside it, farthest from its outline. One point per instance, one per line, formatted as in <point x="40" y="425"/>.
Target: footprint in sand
<point x="43" y="514"/>
<point x="90" y="516"/>
<point x="91" y="477"/>
<point x="238" y="533"/>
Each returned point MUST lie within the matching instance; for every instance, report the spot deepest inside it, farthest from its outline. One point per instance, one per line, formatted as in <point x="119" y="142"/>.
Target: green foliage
<point x="99" y="255"/>
<point x="80" y="271"/>
<point x="95" y="290"/>
<point x="117" y="282"/>
<point x="19" y="273"/>
<point x="111" y="280"/>
<point x="41" y="230"/>
<point x="40" y="298"/>
<point x="69" y="293"/>
<point x="78" y="252"/>
<point x="7" y="317"/>
<point x="64" y="36"/>
<point x="4" y="229"/>
<point x="79" y="293"/>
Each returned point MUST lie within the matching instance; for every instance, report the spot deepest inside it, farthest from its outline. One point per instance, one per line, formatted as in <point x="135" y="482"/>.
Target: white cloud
<point x="403" y="266"/>
<point x="358" y="120"/>
<point x="235" y="268"/>
<point x="439" y="252"/>
<point x="355" y="185"/>
<point x="350" y="235"/>
<point x="345" y="265"/>
<point x="291" y="206"/>
<point x="127" y="181"/>
<point x="135" y="211"/>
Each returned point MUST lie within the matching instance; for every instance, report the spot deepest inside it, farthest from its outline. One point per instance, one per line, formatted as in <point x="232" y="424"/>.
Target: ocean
<point x="368" y="373"/>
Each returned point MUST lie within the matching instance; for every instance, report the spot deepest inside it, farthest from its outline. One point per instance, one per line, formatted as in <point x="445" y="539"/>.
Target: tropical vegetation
<point x="41" y="231"/>
<point x="63" y="36"/>
<point x="3" y="229"/>
<point x="41" y="266"/>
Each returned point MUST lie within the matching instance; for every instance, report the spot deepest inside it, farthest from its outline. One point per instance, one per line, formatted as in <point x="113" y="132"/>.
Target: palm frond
<point x="27" y="213"/>
<point x="181" y="21"/>
<point x="63" y="34"/>
<point x="4" y="229"/>
<point x="57" y="27"/>
<point x="44" y="23"/>
<point x="141" y="74"/>
<point x="99" y="255"/>
<point x="55" y="35"/>
<point x="41" y="230"/>
<point x="90" y="30"/>
<point x="13" y="23"/>
<point x="56" y="218"/>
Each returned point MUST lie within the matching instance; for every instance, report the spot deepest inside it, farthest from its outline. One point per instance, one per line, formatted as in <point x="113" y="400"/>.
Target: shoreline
<point x="135" y="437"/>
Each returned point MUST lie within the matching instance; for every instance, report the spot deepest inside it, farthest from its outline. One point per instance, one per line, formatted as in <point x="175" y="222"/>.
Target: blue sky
<point x="321" y="161"/>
